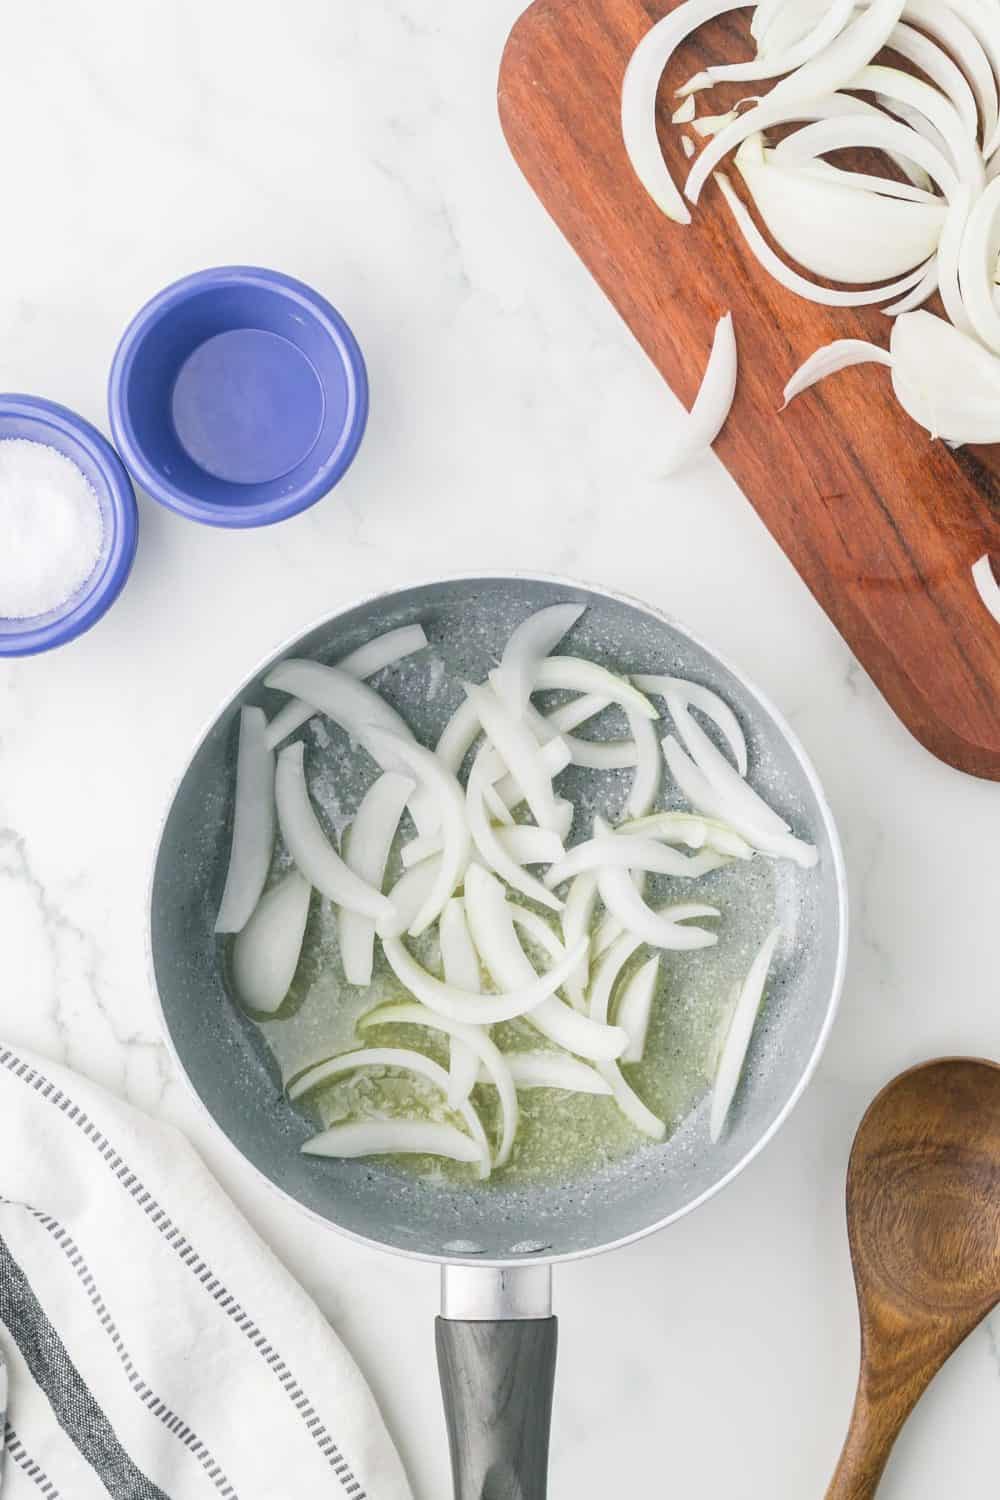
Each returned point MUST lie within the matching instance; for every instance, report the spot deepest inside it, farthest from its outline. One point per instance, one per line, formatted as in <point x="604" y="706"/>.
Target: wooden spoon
<point x="923" y="1217"/>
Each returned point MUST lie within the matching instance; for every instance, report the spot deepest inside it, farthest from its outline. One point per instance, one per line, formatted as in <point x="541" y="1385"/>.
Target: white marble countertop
<point x="514" y="424"/>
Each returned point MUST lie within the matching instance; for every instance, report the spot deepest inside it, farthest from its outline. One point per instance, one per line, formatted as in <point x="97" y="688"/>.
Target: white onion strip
<point x="492" y="928"/>
<point x="475" y="1038"/>
<point x="266" y="952"/>
<point x="635" y="1008"/>
<point x="729" y="784"/>
<point x="393" y="1138"/>
<point x="663" y="929"/>
<point x="577" y="919"/>
<point x="694" y="695"/>
<point x="632" y="853"/>
<point x="492" y="849"/>
<point x="368" y="659"/>
<point x="460" y="963"/>
<point x="474" y="1009"/>
<point x="575" y="675"/>
<point x="366" y="851"/>
<point x="309" y="846"/>
<point x="442" y="786"/>
<point x="534" y="638"/>
<point x="601" y="989"/>
<point x="840" y="355"/>
<point x="405" y="1060"/>
<point x="694" y="830"/>
<point x="551" y="1070"/>
<point x="253" y="824"/>
<point x="519" y="751"/>
<point x="714" y="400"/>
<point x="705" y="797"/>
<point x="740" y="1031"/>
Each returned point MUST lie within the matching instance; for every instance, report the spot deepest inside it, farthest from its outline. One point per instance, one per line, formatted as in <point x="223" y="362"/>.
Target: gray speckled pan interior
<point x="467" y="622"/>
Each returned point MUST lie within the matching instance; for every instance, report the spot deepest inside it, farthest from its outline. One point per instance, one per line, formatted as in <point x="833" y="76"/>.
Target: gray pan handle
<point x="496" y="1348"/>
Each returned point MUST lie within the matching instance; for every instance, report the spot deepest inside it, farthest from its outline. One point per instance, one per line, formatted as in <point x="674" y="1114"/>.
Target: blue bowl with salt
<point x="68" y="525"/>
<point x="238" y="397"/>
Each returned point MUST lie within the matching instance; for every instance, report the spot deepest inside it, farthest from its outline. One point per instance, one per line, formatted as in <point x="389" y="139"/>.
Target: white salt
<point x="50" y="528"/>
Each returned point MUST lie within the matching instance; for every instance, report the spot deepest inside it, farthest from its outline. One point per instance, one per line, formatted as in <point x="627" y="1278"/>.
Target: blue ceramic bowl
<point x="238" y="397"/>
<point x="41" y="421"/>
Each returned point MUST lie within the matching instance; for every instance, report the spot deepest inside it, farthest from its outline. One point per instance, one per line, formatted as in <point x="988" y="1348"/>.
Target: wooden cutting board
<point x="883" y="524"/>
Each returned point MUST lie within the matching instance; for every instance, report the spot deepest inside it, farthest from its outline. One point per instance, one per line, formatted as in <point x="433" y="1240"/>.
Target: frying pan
<point x="496" y="1244"/>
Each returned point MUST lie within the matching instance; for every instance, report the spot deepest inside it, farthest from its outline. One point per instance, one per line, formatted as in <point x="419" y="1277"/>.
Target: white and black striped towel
<point x="154" y="1347"/>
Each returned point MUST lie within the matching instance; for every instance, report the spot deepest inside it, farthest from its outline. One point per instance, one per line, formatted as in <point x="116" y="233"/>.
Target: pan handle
<point x="496" y="1348"/>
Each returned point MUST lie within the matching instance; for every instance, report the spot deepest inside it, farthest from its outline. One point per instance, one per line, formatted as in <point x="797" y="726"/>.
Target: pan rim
<point x="842" y="917"/>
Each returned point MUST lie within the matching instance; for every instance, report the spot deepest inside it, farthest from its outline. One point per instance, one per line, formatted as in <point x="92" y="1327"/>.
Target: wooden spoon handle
<point x="873" y="1431"/>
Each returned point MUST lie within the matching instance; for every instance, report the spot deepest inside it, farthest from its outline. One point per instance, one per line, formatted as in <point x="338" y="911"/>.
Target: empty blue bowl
<point x="238" y="397"/>
<point x="41" y="421"/>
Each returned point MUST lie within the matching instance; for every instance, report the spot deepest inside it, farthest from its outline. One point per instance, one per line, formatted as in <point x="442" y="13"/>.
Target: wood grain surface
<point x="923" y="1216"/>
<point x="882" y="523"/>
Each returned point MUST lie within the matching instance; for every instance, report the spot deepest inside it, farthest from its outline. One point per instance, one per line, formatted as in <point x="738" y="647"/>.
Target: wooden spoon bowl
<point x="923" y="1218"/>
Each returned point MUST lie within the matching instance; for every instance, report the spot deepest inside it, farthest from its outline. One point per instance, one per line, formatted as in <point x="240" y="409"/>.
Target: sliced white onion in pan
<point x="492" y="928"/>
<point x="312" y="851"/>
<point x="266" y="951"/>
<point x="833" y="69"/>
<point x="603" y="755"/>
<point x="449" y="798"/>
<point x="793" y="281"/>
<point x="694" y="830"/>
<point x="577" y="919"/>
<point x="382" y="652"/>
<point x="460" y="962"/>
<point x="393" y="1138"/>
<point x="405" y="1060"/>
<point x="649" y="766"/>
<point x="475" y="1038"/>
<point x="696" y="696"/>
<point x="627" y="1099"/>
<point x="458" y="737"/>
<point x="740" y="1031"/>
<point x="576" y="675"/>
<point x="987" y="586"/>
<point x="705" y="798"/>
<point x="534" y="638"/>
<point x="714" y="400"/>
<point x="555" y="755"/>
<point x="635" y="1008"/>
<point x="366" y="851"/>
<point x="569" y="716"/>
<point x="663" y="929"/>
<point x="730" y="785"/>
<point x="408" y="896"/>
<point x="632" y="853"/>
<point x="253" y="824"/>
<point x="519" y="751"/>
<point x="473" y="1008"/>
<point x="551" y="1070"/>
<point x="535" y="927"/>
<point x="492" y="849"/>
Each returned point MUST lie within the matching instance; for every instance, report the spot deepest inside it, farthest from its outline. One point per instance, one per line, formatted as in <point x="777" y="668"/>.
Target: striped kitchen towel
<point x="154" y="1347"/>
